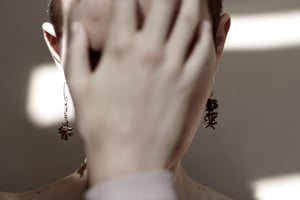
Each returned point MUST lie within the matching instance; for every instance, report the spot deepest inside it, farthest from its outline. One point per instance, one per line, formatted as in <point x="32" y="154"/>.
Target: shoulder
<point x="197" y="191"/>
<point x="8" y="196"/>
<point x="211" y="194"/>
<point x="71" y="187"/>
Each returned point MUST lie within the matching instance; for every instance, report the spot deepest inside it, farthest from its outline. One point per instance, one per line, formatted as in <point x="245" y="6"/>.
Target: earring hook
<point x="65" y="130"/>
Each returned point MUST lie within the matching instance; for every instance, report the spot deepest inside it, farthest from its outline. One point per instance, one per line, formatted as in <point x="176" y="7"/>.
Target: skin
<point x="170" y="125"/>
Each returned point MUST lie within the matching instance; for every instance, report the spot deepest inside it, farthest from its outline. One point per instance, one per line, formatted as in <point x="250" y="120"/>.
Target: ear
<point x="52" y="42"/>
<point x="221" y="35"/>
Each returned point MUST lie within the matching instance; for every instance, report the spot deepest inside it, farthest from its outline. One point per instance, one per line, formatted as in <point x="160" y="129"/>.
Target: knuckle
<point x="152" y="54"/>
<point x="119" y="51"/>
<point x="186" y="84"/>
<point x="121" y="46"/>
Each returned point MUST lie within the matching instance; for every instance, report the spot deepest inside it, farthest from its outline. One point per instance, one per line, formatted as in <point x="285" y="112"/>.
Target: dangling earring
<point x="211" y="113"/>
<point x="65" y="130"/>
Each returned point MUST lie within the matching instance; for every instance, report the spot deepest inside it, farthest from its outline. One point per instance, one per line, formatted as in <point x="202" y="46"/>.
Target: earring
<point x="211" y="113"/>
<point x="65" y="130"/>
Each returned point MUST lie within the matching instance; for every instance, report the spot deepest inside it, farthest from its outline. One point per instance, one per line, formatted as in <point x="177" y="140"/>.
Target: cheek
<point x="195" y="110"/>
<point x="205" y="80"/>
<point x="201" y="93"/>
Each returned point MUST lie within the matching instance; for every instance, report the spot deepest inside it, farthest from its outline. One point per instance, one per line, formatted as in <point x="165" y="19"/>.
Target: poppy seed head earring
<point x="211" y="113"/>
<point x="65" y="130"/>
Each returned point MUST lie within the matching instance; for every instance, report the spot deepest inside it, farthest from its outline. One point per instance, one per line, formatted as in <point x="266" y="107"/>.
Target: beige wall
<point x="258" y="132"/>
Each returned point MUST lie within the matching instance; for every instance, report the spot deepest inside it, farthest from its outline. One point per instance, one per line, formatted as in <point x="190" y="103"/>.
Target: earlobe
<point x="221" y="34"/>
<point x="52" y="41"/>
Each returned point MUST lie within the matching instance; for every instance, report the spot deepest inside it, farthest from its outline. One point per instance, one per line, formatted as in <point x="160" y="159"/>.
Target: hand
<point x="131" y="109"/>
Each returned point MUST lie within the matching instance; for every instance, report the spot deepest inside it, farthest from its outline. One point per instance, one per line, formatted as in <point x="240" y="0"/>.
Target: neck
<point x="183" y="184"/>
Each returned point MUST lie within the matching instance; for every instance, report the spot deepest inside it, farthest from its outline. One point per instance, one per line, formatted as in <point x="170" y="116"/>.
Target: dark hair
<point x="216" y="8"/>
<point x="55" y="13"/>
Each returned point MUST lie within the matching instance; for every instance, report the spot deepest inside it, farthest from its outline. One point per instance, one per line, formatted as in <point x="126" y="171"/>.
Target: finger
<point x="123" y="24"/>
<point x="184" y="31"/>
<point x="123" y="16"/>
<point x="159" y="20"/>
<point x="76" y="63"/>
<point x="70" y="9"/>
<point x="200" y="57"/>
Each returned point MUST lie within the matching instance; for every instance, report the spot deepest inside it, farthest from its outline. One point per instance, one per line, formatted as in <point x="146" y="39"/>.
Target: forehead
<point x="91" y="12"/>
<point x="144" y="4"/>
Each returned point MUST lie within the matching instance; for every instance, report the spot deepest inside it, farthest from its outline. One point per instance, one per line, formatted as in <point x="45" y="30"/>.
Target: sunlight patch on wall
<point x="45" y="102"/>
<point x="278" y="188"/>
<point x="264" y="31"/>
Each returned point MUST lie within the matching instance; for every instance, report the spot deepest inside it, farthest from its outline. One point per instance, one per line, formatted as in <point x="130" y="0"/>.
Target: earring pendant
<point x="211" y="113"/>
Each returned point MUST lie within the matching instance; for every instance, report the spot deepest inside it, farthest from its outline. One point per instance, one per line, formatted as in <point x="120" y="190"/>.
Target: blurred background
<point x="253" y="153"/>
